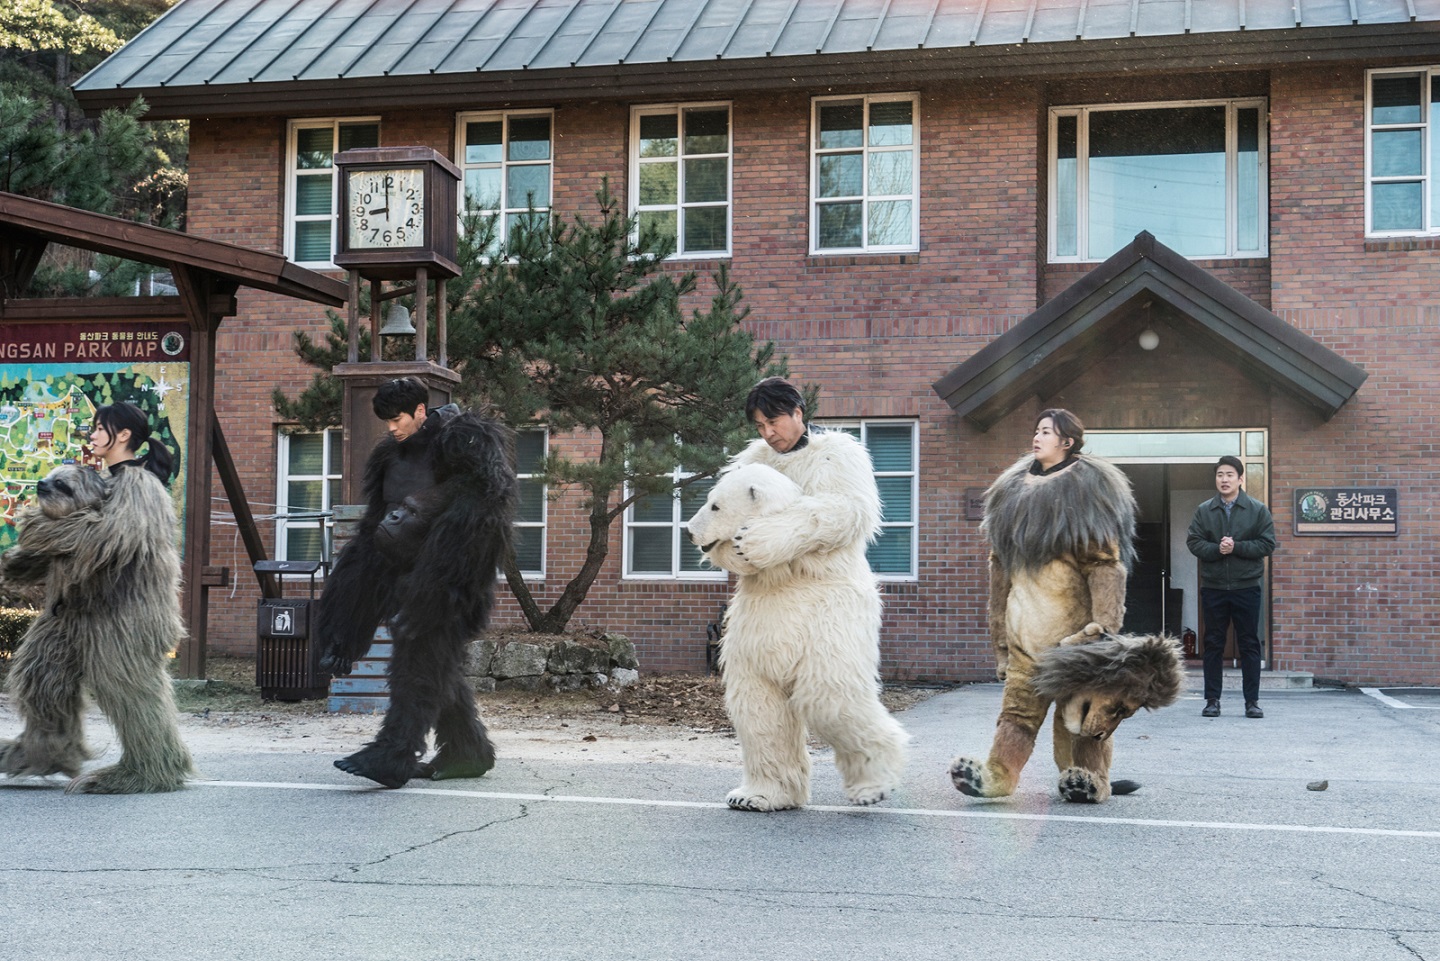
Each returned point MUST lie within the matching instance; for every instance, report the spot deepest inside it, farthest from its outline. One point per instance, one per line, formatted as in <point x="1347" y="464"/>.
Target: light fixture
<point x="1149" y="340"/>
<point x="397" y="322"/>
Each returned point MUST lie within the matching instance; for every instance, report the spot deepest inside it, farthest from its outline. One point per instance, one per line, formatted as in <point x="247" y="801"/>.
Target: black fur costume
<point x="458" y="471"/>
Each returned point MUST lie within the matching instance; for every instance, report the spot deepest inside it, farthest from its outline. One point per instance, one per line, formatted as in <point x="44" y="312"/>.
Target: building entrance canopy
<point x="1055" y="344"/>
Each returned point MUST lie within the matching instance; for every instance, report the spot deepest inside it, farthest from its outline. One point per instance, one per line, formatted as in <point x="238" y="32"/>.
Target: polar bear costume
<point x="801" y="649"/>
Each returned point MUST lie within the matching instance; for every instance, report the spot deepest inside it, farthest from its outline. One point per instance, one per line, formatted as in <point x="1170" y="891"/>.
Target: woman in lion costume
<point x="1061" y="526"/>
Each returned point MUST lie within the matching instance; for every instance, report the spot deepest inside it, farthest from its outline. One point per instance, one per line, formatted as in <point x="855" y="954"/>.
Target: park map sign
<point x="54" y="376"/>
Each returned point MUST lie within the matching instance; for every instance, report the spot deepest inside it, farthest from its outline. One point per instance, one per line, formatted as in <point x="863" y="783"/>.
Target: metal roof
<point x="230" y="44"/>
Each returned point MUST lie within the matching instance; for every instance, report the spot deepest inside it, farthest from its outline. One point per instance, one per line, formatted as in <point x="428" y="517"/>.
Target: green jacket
<point x="1252" y="527"/>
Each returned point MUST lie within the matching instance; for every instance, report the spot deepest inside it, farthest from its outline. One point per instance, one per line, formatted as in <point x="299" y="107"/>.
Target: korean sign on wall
<point x="1328" y="511"/>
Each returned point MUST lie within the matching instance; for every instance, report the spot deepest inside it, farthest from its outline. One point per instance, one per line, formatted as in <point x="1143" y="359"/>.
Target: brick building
<point x="1207" y="228"/>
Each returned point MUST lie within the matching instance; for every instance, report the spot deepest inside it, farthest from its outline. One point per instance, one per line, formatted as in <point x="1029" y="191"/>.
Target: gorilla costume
<point x="439" y="509"/>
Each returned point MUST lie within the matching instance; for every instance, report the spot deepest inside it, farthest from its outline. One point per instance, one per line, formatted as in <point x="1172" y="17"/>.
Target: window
<point x="655" y="542"/>
<point x="530" y="513"/>
<point x="310" y="200"/>
<point x="309" y="485"/>
<point x="1194" y="175"/>
<point x="1402" y="120"/>
<point x="892" y="450"/>
<point x="865" y="174"/>
<point x="505" y="161"/>
<point x="680" y="175"/>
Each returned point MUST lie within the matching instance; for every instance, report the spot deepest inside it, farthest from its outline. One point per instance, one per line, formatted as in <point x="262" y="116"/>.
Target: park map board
<point x="54" y="376"/>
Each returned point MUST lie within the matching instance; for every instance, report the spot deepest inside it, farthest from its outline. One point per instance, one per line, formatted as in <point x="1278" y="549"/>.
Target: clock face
<point x="387" y="208"/>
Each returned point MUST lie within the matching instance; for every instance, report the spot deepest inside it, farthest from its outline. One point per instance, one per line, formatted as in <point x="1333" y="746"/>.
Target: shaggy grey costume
<point x="106" y="552"/>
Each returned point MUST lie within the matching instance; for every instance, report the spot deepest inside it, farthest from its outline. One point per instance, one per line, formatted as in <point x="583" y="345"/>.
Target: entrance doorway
<point x="1173" y="472"/>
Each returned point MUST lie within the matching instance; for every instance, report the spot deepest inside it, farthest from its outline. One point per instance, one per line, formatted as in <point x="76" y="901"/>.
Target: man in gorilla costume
<point x="440" y="497"/>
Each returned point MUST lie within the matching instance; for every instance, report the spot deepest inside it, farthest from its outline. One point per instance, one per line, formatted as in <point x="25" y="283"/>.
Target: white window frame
<point x="677" y="527"/>
<point x="292" y="171"/>
<point x="1082" y="187"/>
<point x="678" y="111"/>
<point x="542" y="525"/>
<point x="865" y="198"/>
<point x="1430" y="221"/>
<point x="502" y="229"/>
<point x="330" y="471"/>
<point x="863" y="424"/>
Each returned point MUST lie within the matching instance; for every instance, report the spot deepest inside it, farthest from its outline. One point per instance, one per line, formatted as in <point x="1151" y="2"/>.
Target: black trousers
<point x="1221" y="608"/>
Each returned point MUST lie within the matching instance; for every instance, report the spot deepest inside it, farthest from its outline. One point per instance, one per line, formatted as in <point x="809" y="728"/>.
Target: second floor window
<point x="507" y="163"/>
<point x="680" y="175"/>
<point x="865" y="174"/>
<point x="311" y="203"/>
<point x="1402" y="134"/>
<point x="1192" y="174"/>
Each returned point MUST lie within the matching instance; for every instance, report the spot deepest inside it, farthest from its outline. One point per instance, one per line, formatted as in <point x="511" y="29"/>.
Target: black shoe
<point x="1212" y="709"/>
<point x="1253" y="710"/>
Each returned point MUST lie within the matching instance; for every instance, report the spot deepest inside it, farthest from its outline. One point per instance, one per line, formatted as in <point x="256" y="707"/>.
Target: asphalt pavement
<point x="1224" y="853"/>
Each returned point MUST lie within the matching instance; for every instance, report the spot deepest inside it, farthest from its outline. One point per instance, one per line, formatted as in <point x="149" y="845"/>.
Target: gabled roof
<point x="38" y="222"/>
<point x="208" y="57"/>
<point x="1058" y="342"/>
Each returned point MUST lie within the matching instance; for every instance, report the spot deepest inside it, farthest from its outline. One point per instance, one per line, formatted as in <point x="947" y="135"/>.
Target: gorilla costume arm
<point x="451" y="588"/>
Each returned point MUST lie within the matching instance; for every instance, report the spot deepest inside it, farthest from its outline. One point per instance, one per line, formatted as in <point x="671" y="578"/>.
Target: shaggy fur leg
<point x="999" y="775"/>
<point x="45" y="682"/>
<point x="869" y="743"/>
<point x="137" y="696"/>
<point x="772" y="748"/>
<point x="462" y="746"/>
<point x="1084" y="766"/>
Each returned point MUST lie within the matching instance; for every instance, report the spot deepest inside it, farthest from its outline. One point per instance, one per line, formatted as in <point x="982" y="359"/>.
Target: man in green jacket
<point x="1231" y="534"/>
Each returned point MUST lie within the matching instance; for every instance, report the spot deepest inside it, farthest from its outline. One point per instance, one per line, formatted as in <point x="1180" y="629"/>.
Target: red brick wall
<point x="875" y="332"/>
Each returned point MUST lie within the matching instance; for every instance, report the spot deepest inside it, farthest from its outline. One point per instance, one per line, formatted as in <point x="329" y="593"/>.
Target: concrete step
<point x="1269" y="680"/>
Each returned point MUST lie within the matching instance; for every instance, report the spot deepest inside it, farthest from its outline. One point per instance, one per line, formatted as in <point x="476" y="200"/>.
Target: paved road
<point x="1223" y="854"/>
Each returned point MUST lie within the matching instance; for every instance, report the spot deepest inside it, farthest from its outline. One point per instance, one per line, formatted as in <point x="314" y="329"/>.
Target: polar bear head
<point x="738" y="497"/>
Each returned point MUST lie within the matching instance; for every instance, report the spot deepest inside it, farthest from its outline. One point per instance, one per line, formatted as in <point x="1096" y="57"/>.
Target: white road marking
<point x="1395" y="702"/>
<point x="832" y="809"/>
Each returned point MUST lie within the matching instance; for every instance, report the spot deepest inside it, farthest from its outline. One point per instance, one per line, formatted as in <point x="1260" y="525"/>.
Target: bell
<point x="397" y="322"/>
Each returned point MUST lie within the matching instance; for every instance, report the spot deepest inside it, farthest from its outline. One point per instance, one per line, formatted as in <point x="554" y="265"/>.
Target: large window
<point x="680" y="175"/>
<point x="864" y="174"/>
<point x="893" y="453"/>
<point x="506" y="161"/>
<point x="309" y="474"/>
<point x="655" y="543"/>
<point x="1192" y="174"/>
<point x="530" y="513"/>
<point x="310" y="196"/>
<point x="1402" y="119"/>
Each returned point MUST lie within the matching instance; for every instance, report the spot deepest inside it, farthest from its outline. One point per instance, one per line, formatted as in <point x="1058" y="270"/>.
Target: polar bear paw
<point x="1079" y="786"/>
<point x="864" y="795"/>
<point x="745" y="799"/>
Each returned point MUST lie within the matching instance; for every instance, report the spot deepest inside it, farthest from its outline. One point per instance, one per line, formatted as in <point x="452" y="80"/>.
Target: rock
<point x="1317" y="785"/>
<point x="568" y="657"/>
<point x="622" y="652"/>
<point x="480" y="657"/>
<point x="483" y="685"/>
<point x="597" y="681"/>
<point x="530" y="684"/>
<point x="623" y="677"/>
<point x="565" y="682"/>
<point x="517" y="659"/>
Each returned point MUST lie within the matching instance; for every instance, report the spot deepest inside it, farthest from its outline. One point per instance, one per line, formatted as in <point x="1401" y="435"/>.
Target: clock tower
<point x="398" y="224"/>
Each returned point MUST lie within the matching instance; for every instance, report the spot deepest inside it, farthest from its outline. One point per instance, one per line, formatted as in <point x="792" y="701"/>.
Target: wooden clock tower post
<point x="398" y="223"/>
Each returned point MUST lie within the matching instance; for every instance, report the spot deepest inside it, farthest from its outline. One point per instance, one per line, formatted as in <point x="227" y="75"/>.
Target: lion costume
<point x="106" y="552"/>
<point x="1061" y="549"/>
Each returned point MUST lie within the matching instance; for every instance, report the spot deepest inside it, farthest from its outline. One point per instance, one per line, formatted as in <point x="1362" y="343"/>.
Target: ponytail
<point x="158" y="459"/>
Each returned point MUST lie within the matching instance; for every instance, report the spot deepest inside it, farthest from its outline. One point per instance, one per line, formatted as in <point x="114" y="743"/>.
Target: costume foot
<point x="1124" y="787"/>
<point x="118" y="779"/>
<point x="969" y="777"/>
<point x="368" y="763"/>
<point x="1079" y="786"/>
<point x="745" y="799"/>
<point x="17" y="762"/>
<point x="866" y="794"/>
<point x="441" y="769"/>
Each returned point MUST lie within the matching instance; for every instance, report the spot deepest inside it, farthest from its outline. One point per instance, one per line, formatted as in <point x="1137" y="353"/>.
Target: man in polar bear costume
<point x="792" y="517"/>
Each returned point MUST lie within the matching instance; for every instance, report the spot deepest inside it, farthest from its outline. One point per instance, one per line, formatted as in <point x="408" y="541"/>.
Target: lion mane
<point x="1141" y="670"/>
<point x="1031" y="519"/>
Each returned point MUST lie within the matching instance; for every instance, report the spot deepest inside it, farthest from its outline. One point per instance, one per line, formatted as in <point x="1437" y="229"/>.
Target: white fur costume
<point x="801" y="648"/>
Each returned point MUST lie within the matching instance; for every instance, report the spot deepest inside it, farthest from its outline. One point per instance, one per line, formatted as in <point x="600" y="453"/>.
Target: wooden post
<point x="422" y="294"/>
<point x="194" y="288"/>
<point x="441" y="314"/>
